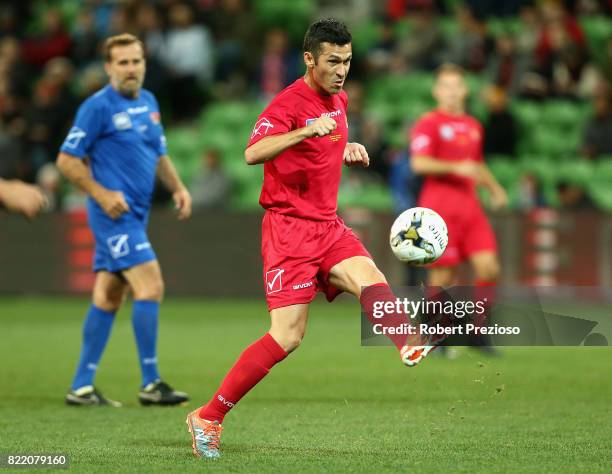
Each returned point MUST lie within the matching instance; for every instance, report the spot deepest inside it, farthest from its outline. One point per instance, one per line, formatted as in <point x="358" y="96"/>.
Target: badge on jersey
<point x="261" y="127"/>
<point x="447" y="132"/>
<point x="122" y="121"/>
<point x="274" y="282"/>
<point x="75" y="135"/>
<point x="118" y="245"/>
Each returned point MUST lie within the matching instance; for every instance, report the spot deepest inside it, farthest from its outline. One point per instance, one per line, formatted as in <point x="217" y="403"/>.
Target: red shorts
<point x="469" y="231"/>
<point x="298" y="255"/>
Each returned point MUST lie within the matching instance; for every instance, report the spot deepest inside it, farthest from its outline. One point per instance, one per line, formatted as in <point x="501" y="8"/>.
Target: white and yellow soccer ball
<point x="418" y="236"/>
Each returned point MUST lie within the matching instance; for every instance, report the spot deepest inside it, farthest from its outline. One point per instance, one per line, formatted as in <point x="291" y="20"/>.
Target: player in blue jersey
<point x="114" y="152"/>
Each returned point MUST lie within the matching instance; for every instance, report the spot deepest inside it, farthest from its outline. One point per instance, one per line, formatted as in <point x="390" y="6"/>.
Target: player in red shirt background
<point x="446" y="148"/>
<point x="301" y="138"/>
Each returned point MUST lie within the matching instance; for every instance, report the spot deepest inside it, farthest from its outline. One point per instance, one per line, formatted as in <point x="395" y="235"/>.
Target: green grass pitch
<point x="332" y="406"/>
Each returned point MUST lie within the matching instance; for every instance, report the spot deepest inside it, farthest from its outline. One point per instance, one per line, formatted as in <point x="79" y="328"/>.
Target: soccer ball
<point x="418" y="236"/>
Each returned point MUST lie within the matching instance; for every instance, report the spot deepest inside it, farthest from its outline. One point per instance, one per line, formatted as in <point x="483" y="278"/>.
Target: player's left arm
<point x="167" y="174"/>
<point x="355" y="154"/>
<point x="498" y="195"/>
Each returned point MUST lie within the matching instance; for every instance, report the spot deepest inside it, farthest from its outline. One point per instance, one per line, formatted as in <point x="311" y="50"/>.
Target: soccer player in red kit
<point x="301" y="138"/>
<point x="446" y="148"/>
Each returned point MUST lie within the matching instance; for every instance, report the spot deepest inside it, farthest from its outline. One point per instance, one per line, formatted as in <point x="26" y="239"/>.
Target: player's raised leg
<point x="288" y="325"/>
<point x="108" y="294"/>
<point x="147" y="287"/>
<point x="359" y="276"/>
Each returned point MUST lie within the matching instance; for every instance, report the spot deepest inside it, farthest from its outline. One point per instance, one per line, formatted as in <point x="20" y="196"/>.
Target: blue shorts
<point x="120" y="244"/>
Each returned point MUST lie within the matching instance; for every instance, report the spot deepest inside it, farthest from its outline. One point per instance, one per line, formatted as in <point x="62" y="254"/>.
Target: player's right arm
<point x="428" y="165"/>
<point x="72" y="167"/>
<point x="423" y="142"/>
<point x="270" y="147"/>
<point x="88" y="126"/>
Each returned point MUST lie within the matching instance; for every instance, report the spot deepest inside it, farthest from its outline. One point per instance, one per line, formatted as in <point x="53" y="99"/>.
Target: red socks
<point x="252" y="366"/>
<point x="380" y="293"/>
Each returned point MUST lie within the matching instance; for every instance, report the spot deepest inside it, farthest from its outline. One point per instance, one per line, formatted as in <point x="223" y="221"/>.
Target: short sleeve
<point x="161" y="147"/>
<point x="86" y="128"/>
<point x="277" y="118"/>
<point x="423" y="139"/>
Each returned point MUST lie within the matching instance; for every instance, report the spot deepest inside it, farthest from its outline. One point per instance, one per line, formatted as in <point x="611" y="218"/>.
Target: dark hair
<point x="325" y="31"/>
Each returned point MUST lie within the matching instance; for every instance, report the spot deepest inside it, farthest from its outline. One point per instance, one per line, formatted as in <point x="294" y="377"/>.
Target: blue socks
<point x="145" y="321"/>
<point x="96" y="330"/>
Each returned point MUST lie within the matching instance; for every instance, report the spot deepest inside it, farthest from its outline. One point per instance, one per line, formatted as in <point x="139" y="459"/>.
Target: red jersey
<point x="303" y="180"/>
<point x="447" y="137"/>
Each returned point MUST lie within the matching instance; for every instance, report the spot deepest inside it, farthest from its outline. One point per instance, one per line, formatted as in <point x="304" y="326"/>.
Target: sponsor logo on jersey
<point x="143" y="246"/>
<point x="300" y="286"/>
<point x="335" y="137"/>
<point x="420" y="142"/>
<point x="447" y="132"/>
<point x="118" y="245"/>
<point x="138" y="110"/>
<point x="122" y="121"/>
<point x="335" y="113"/>
<point x="75" y="135"/>
<point x="261" y="127"/>
<point x="274" y="281"/>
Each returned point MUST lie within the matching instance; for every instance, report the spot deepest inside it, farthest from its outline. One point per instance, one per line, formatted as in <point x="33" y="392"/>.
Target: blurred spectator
<point x="500" y="130"/>
<point x="13" y="15"/>
<point x="53" y="41"/>
<point x="381" y="56"/>
<point x="423" y="44"/>
<point x="279" y="65"/>
<point x="527" y="37"/>
<point x="15" y="71"/>
<point x="47" y="122"/>
<point x="60" y="72"/>
<point x="210" y="189"/>
<point x="564" y="62"/>
<point x="598" y="131"/>
<point x="473" y="45"/>
<point x="85" y="39"/>
<point x="119" y="21"/>
<point x="150" y="29"/>
<point x="365" y="130"/>
<point x="236" y="44"/>
<point x="398" y="9"/>
<point x="559" y="31"/>
<point x="403" y="183"/>
<point x="188" y="56"/>
<point x="506" y="67"/>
